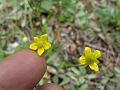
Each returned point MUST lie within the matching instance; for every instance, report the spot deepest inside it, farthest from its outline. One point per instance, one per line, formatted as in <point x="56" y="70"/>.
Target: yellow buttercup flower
<point x="89" y="58"/>
<point x="40" y="44"/>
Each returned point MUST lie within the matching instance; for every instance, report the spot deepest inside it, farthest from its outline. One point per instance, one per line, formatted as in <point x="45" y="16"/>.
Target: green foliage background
<point x="93" y="23"/>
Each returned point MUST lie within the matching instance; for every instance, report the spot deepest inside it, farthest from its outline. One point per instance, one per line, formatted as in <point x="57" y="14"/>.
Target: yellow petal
<point x="82" y="60"/>
<point x="47" y="45"/>
<point x="33" y="46"/>
<point x="44" y="37"/>
<point x="36" y="39"/>
<point x="97" y="53"/>
<point x="40" y="51"/>
<point x="94" y="67"/>
<point x="87" y="52"/>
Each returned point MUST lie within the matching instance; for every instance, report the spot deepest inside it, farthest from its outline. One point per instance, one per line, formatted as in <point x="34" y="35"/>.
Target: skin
<point x="22" y="71"/>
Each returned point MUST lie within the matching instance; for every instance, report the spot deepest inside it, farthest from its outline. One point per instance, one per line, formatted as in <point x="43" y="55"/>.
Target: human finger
<point x="21" y="71"/>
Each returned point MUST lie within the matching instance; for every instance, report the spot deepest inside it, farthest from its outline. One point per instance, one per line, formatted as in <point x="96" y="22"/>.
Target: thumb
<point x="21" y="71"/>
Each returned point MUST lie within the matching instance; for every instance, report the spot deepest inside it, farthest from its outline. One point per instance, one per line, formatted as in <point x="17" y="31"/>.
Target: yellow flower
<point x="89" y="58"/>
<point x="40" y="44"/>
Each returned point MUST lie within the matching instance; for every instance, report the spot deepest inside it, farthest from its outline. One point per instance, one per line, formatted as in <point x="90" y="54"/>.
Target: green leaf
<point x="72" y="87"/>
<point x="117" y="19"/>
<point x="55" y="79"/>
<point x="81" y="80"/>
<point x="105" y="80"/>
<point x="2" y="43"/>
<point x="1" y="56"/>
<point x="2" y="1"/>
<point x="82" y="70"/>
<point x="46" y="5"/>
<point x="117" y="69"/>
<point x="118" y="84"/>
<point x="84" y="87"/>
<point x="65" y="81"/>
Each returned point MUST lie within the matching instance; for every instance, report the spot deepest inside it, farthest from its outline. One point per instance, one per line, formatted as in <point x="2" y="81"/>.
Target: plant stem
<point x="72" y="65"/>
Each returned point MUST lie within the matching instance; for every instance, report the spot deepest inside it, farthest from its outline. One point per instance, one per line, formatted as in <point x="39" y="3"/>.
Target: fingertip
<point x="32" y="56"/>
<point x="22" y="70"/>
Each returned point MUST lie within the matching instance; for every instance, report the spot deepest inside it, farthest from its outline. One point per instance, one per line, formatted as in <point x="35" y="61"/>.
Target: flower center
<point x="91" y="59"/>
<point x="40" y="44"/>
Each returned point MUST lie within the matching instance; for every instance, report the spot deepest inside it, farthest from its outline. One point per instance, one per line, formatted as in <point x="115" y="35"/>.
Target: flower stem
<point x="72" y="65"/>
